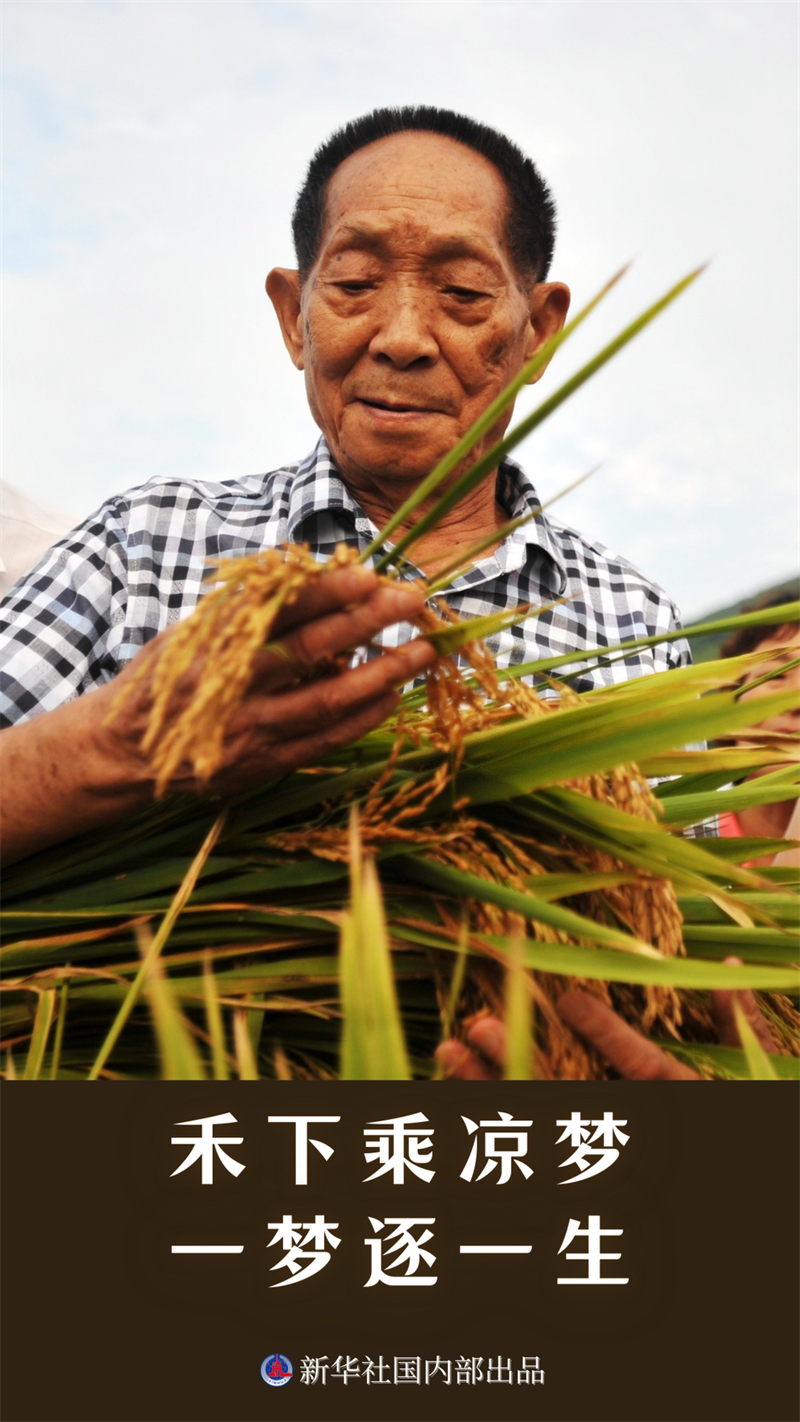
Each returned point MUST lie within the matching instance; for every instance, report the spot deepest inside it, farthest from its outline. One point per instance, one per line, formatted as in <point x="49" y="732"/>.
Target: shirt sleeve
<point x="61" y="623"/>
<point x="677" y="653"/>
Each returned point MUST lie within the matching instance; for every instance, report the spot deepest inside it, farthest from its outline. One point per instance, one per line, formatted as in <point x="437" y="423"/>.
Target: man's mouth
<point x="397" y="407"/>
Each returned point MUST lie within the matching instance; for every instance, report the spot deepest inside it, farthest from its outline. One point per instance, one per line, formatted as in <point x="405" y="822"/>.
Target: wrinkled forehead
<point x="417" y="182"/>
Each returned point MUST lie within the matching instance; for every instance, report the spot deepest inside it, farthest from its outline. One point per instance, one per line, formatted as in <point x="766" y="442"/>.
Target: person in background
<point x="780" y="820"/>
<point x="27" y="529"/>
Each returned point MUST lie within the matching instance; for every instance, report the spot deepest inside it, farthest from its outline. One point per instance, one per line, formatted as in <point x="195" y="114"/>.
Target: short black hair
<point x="532" y="213"/>
<point x="747" y="639"/>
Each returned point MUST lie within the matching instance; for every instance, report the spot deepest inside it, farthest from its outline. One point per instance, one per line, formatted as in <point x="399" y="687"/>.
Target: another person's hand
<point x="481" y="1056"/>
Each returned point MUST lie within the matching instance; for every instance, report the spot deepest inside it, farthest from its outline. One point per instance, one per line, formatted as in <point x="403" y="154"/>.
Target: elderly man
<point x="423" y="244"/>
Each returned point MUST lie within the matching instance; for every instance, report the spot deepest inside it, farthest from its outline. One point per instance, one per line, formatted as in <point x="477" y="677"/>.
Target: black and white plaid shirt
<point x="138" y="564"/>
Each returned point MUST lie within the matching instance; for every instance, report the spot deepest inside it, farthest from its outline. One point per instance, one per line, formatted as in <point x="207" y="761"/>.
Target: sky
<point x="152" y="152"/>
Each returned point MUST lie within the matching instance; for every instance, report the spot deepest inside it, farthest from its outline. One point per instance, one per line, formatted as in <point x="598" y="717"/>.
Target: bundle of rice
<point x="519" y="837"/>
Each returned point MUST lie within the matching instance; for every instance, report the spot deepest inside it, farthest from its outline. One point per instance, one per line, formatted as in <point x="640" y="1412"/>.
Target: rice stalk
<point x="42" y="1022"/>
<point x="61" y="1023"/>
<point x="216" y="1030"/>
<point x="155" y="946"/>
<point x="758" y="1063"/>
<point x="502" y="842"/>
<point x="518" y="1015"/>
<point x="243" y="1047"/>
<point x="373" y="1046"/>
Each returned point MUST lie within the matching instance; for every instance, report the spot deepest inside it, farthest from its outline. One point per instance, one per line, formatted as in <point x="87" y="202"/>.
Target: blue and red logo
<point x="276" y="1370"/>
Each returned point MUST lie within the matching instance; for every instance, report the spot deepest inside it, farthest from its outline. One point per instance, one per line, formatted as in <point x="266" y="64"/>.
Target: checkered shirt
<point x="138" y="564"/>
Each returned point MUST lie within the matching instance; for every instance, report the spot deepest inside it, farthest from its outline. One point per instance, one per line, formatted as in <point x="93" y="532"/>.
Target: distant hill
<point x="705" y="649"/>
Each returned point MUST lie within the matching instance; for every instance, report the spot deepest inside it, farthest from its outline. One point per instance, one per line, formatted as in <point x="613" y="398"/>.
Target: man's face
<point x="413" y="317"/>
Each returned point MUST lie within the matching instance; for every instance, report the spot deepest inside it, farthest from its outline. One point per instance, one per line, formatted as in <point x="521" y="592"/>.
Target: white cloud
<point x="152" y="155"/>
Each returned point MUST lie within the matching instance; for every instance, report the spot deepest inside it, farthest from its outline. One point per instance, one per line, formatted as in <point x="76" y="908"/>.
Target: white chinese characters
<point x="504" y="1140"/>
<point x="398" y="1253"/>
<point x="309" y="1249"/>
<point x="400" y="1143"/>
<point x="207" y="1144"/>
<point x="418" y="1371"/>
<point x="409" y="1250"/>
<point x="594" y="1256"/>
<point x="577" y="1132"/>
<point x="302" y="1141"/>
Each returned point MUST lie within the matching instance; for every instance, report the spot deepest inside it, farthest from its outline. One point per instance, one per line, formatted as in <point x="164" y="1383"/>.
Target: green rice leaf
<point x="457" y="980"/>
<point x="764" y="790"/>
<point x="610" y="965"/>
<point x="584" y="740"/>
<point x="216" y="1030"/>
<point x="452" y="639"/>
<point x="710" y="771"/>
<point x="61" y="1023"/>
<point x="373" y="1045"/>
<point x="180" y="1059"/>
<point x="737" y="851"/>
<point x="565" y="886"/>
<point x="756" y="945"/>
<point x="764" y="617"/>
<point x="518" y="1016"/>
<point x="638" y="842"/>
<point x="727" y="1063"/>
<point x="45" y="1007"/>
<point x="181" y="899"/>
<point x="461" y="885"/>
<point x="782" y="908"/>
<point x="759" y="1065"/>
<point x="243" y="1047"/>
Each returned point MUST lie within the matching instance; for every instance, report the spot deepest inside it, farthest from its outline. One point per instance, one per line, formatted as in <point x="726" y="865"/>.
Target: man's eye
<point x="353" y="288"/>
<point x="466" y="294"/>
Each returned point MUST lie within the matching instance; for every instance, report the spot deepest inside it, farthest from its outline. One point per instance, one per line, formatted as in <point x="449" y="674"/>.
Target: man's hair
<point x="531" y="221"/>
<point x="748" y="638"/>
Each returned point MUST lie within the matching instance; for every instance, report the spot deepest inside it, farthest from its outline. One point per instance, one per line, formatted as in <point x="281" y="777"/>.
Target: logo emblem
<point x="276" y="1370"/>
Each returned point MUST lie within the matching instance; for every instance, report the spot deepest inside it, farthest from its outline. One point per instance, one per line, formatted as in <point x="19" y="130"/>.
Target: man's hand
<point x="292" y="715"/>
<point x="76" y="768"/>
<point x="481" y="1057"/>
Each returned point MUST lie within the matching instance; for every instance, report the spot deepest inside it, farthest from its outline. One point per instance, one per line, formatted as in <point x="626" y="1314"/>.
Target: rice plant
<point x="501" y="837"/>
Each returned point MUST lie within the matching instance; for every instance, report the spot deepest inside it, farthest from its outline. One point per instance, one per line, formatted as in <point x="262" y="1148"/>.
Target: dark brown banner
<point x="284" y="1250"/>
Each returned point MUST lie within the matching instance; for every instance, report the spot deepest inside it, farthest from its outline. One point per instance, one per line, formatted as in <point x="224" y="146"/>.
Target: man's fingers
<point x="628" y="1052"/>
<point x="254" y="766"/>
<point x="315" y="705"/>
<point x="312" y="642"/>
<point x="330" y="593"/>
<point x="722" y="1003"/>
<point x="307" y="749"/>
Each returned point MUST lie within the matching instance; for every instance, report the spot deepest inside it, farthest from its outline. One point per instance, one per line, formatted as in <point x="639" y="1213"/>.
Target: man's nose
<point x="404" y="334"/>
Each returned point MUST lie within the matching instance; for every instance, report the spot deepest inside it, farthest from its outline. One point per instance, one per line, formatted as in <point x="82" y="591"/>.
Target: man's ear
<point x="283" y="290"/>
<point x="549" y="306"/>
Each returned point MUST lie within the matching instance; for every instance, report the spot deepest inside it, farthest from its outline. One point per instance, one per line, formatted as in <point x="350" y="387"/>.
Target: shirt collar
<point x="318" y="488"/>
